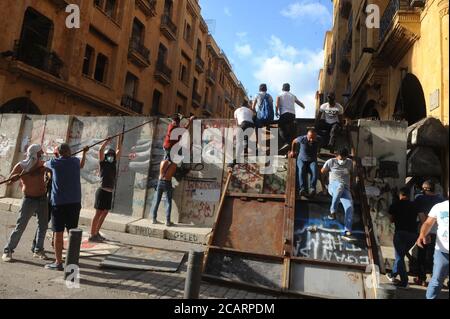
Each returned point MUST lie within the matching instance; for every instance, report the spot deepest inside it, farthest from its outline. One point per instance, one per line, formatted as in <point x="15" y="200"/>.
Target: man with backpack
<point x="263" y="106"/>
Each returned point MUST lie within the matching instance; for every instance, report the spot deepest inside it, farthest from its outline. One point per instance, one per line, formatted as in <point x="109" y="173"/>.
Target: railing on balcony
<point x="137" y="46"/>
<point x="147" y="6"/>
<point x="207" y="108"/>
<point x="167" y="23"/>
<point x="162" y="68"/>
<point x="227" y="96"/>
<point x="388" y="16"/>
<point x="210" y="76"/>
<point x="196" y="98"/>
<point x="199" y="64"/>
<point x="132" y="104"/>
<point x="38" y="57"/>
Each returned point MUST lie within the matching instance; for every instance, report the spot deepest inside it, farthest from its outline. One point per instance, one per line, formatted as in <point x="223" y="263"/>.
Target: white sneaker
<point x="7" y="257"/>
<point x="40" y="255"/>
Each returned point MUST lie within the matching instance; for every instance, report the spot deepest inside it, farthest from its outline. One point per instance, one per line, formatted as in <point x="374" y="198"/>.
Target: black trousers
<point x="331" y="129"/>
<point x="287" y="127"/>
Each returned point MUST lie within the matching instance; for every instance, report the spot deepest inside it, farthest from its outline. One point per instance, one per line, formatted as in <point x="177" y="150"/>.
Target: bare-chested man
<point x="166" y="171"/>
<point x="31" y="173"/>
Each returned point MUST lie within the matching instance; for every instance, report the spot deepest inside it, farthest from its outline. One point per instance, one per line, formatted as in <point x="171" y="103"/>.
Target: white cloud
<point x="308" y="10"/>
<point x="287" y="64"/>
<point x="227" y="11"/>
<point x="243" y="50"/>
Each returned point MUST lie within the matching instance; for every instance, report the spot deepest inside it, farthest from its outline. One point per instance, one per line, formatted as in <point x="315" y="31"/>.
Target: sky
<point x="273" y="42"/>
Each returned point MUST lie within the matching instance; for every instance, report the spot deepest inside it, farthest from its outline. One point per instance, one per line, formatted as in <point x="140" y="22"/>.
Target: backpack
<point x="265" y="114"/>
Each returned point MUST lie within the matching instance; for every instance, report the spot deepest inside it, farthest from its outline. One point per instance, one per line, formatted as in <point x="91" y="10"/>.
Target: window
<point x="199" y="48"/>
<point x="168" y="7"/>
<point x="156" y="104"/>
<point x="162" y="54"/>
<point x="187" y="32"/>
<point x="101" y="68"/>
<point x="131" y="85"/>
<point x="107" y="6"/>
<point x="88" y="60"/>
<point x="183" y="73"/>
<point x="138" y="32"/>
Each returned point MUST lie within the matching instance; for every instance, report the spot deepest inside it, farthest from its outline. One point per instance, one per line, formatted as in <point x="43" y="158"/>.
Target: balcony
<point x="207" y="109"/>
<point x="210" y="77"/>
<point x="399" y="30"/>
<point x="168" y="28"/>
<point x="196" y="99"/>
<point x="199" y="64"/>
<point x="344" y="63"/>
<point x="147" y="6"/>
<point x="130" y="103"/>
<point x="163" y="73"/>
<point x="38" y="57"/>
<point x="227" y="96"/>
<point x="139" y="54"/>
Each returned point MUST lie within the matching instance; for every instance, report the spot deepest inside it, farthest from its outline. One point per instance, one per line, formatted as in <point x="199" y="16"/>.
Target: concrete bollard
<point x="73" y="251"/>
<point x="194" y="275"/>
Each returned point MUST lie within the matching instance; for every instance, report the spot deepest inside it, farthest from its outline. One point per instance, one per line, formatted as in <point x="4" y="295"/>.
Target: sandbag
<point x="423" y="162"/>
<point x="428" y="132"/>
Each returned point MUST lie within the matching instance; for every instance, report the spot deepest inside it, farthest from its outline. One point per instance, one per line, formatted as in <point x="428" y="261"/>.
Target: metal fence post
<point x="73" y="251"/>
<point x="194" y="275"/>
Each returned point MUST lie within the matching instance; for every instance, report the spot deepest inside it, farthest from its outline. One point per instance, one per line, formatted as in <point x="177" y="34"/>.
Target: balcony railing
<point x="147" y="6"/>
<point x="227" y="96"/>
<point x="132" y="104"/>
<point x="388" y="16"/>
<point x="196" y="98"/>
<point x="137" y="47"/>
<point x="168" y="27"/>
<point x="207" y="109"/>
<point x="39" y="57"/>
<point x="211" y="77"/>
<point x="199" y="64"/>
<point x="163" y="73"/>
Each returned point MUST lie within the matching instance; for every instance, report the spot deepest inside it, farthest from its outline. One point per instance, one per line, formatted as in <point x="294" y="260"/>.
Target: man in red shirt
<point x="168" y="142"/>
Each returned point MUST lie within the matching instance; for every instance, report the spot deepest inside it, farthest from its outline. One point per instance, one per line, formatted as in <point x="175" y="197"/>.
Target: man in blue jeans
<point x="341" y="170"/>
<point x="439" y="215"/>
<point x="403" y="213"/>
<point x="307" y="161"/>
<point x="167" y="171"/>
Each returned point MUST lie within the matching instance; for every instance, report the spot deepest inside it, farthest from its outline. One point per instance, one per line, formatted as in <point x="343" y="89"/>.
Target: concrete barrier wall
<point x="196" y="194"/>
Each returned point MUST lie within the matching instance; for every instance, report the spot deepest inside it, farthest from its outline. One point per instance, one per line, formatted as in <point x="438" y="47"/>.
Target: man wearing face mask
<point x="341" y="170"/>
<point x="31" y="173"/>
<point x="103" y="196"/>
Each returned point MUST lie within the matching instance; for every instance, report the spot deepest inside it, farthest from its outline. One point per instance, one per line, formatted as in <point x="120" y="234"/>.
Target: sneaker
<point x="348" y="237"/>
<point x="95" y="239"/>
<point x="101" y="237"/>
<point x="332" y="216"/>
<point x="313" y="193"/>
<point x="55" y="267"/>
<point x="7" y="257"/>
<point x="169" y="224"/>
<point x="154" y="222"/>
<point x="390" y="277"/>
<point x="302" y="193"/>
<point x="40" y="255"/>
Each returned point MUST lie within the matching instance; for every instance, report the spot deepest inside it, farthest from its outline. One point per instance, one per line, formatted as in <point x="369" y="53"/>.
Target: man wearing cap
<point x="30" y="172"/>
<point x="104" y="194"/>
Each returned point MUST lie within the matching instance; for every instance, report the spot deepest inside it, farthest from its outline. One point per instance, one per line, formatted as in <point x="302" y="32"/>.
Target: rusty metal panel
<point x="318" y="238"/>
<point x="245" y="269"/>
<point x="251" y="226"/>
<point x="327" y="281"/>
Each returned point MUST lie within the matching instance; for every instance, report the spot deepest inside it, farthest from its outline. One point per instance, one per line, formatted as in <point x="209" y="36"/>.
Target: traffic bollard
<point x="73" y="251"/>
<point x="194" y="275"/>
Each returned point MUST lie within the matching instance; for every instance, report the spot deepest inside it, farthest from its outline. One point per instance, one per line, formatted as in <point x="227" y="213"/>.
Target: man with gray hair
<point x="31" y="174"/>
<point x="65" y="197"/>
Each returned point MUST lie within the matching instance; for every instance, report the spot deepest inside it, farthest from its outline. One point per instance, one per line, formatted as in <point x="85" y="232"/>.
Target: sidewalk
<point x="27" y="278"/>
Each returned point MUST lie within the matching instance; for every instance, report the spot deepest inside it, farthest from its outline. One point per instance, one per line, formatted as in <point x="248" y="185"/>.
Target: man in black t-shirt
<point x="103" y="196"/>
<point x="403" y="214"/>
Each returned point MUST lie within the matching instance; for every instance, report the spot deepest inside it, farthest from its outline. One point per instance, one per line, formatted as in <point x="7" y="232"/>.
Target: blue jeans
<point x="440" y="272"/>
<point x="163" y="187"/>
<point x="304" y="168"/>
<point x="403" y="242"/>
<point x="29" y="207"/>
<point x="341" y="193"/>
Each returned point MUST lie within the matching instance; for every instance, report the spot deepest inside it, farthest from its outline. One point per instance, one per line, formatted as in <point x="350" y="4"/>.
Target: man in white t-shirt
<point x="439" y="215"/>
<point x="330" y="118"/>
<point x="244" y="118"/>
<point x="286" y="111"/>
